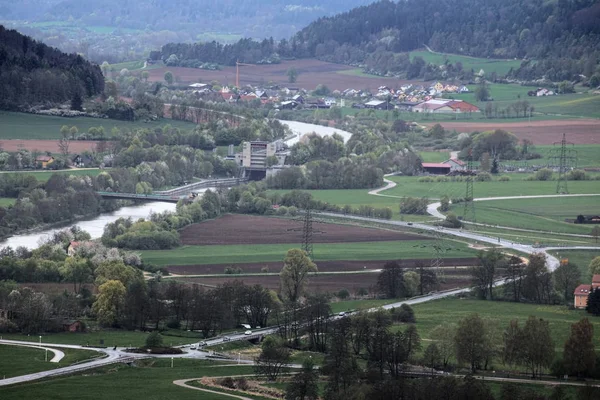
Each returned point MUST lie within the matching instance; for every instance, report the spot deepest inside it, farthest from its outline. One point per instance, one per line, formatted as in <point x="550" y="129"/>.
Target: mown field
<point x="6" y="201"/>
<point x="232" y="254"/>
<point x="588" y="155"/>
<point x="543" y="214"/>
<point x="153" y="380"/>
<point x="450" y="311"/>
<point x="15" y="361"/>
<point x="489" y="65"/>
<point x="21" y="126"/>
<point x="517" y="186"/>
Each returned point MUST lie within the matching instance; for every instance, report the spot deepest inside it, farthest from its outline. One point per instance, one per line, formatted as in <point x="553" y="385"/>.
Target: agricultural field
<point x="489" y="65"/>
<point x="543" y="214"/>
<point x="517" y="186"/>
<point x="153" y="380"/>
<point x="588" y="155"/>
<point x="15" y="360"/>
<point x="23" y="127"/>
<point x="448" y="311"/>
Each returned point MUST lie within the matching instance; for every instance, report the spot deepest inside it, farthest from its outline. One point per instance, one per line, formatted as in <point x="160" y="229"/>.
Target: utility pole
<point x="469" y="209"/>
<point x="566" y="159"/>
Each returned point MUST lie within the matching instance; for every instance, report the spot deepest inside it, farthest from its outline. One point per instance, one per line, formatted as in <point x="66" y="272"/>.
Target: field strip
<point x="183" y="383"/>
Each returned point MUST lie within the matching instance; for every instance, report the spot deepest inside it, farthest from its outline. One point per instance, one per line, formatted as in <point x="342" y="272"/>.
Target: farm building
<point x="455" y="164"/>
<point x="436" y="168"/>
<point x="45" y="160"/>
<point x="445" y="106"/>
<point x="583" y="291"/>
<point x="379" y="105"/>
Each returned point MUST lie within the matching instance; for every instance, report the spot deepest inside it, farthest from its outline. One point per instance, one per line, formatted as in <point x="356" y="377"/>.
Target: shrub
<point x="413" y="205"/>
<point x="504" y="178"/>
<point x="227" y="382"/>
<point x="282" y="210"/>
<point x="292" y="211"/>
<point x="264" y="269"/>
<point x="577" y="175"/>
<point x="343" y="294"/>
<point x="452" y="221"/>
<point x="174" y="324"/>
<point x="154" y="339"/>
<point x="441" y="179"/>
<point x="425" y="179"/>
<point x="543" y="174"/>
<point x="362" y="292"/>
<point x="406" y="314"/>
<point x="483" y="177"/>
<point x="242" y="383"/>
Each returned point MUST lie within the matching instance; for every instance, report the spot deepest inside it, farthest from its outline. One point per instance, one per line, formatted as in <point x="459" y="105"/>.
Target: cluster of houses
<point x="417" y="98"/>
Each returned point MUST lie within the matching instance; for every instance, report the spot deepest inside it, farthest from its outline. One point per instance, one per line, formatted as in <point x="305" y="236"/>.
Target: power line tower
<point x="564" y="158"/>
<point x="437" y="262"/>
<point x="307" y="233"/>
<point x="469" y="209"/>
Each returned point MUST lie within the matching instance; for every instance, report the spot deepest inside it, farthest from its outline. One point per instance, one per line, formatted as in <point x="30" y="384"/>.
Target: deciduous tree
<point x="470" y="341"/>
<point x="579" y="353"/>
<point x="110" y="302"/>
<point x="294" y="275"/>
<point x="272" y="359"/>
<point x="566" y="279"/>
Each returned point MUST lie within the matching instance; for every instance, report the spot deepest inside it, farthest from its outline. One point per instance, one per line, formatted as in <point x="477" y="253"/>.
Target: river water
<point x="95" y="226"/>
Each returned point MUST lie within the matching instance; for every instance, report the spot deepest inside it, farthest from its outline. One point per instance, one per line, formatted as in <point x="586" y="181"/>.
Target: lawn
<point x="580" y="257"/>
<point x="517" y="186"/>
<point x="434" y="156"/>
<point x="21" y="126"/>
<point x="232" y="254"/>
<point x="15" y="361"/>
<point x="110" y="338"/>
<point x="43" y="176"/>
<point x="152" y="380"/>
<point x="449" y="311"/>
<point x="545" y="214"/>
<point x="489" y="65"/>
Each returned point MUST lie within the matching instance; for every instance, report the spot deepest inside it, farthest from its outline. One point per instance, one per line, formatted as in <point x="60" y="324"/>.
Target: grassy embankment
<point x="232" y="254"/>
<point x="449" y="311"/>
<point x="21" y="126"/>
<point x="15" y="361"/>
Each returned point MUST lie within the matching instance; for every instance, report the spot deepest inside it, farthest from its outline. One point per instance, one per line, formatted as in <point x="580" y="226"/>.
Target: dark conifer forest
<point x="33" y="73"/>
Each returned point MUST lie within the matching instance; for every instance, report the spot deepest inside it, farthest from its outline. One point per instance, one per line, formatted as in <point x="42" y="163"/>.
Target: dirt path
<point x="183" y="383"/>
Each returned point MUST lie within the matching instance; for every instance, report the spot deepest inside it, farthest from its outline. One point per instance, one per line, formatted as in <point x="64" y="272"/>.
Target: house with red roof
<point x="456" y="164"/>
<point x="72" y="247"/>
<point x="583" y="291"/>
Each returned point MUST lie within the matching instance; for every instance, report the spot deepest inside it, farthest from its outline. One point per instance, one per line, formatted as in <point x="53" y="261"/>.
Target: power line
<point x="566" y="158"/>
<point x="469" y="207"/>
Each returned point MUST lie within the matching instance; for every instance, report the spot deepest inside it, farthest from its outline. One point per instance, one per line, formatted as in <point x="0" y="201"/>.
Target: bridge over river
<point x="176" y="194"/>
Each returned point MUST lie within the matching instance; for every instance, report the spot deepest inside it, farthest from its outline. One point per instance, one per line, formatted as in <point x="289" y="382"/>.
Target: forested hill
<point x="32" y="73"/>
<point x="567" y="32"/>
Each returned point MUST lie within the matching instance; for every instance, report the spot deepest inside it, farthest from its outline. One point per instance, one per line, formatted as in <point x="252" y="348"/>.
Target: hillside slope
<point x="33" y="73"/>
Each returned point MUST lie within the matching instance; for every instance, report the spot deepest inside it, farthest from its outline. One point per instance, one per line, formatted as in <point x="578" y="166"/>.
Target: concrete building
<point x="254" y="158"/>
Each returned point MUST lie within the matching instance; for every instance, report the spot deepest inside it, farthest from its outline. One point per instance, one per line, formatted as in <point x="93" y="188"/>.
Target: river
<point x="94" y="226"/>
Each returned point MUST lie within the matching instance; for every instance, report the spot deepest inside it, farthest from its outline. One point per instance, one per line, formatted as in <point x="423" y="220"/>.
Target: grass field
<point x="569" y="105"/>
<point x="580" y="257"/>
<point x="588" y="155"/>
<point x="449" y="311"/>
<point x="489" y="65"/>
<point x="21" y="126"/>
<point x="43" y="176"/>
<point x="545" y="214"/>
<point x="111" y="338"/>
<point x="224" y="254"/>
<point x="6" y="201"/>
<point x="15" y="361"/>
<point x="152" y="380"/>
<point x="434" y="156"/>
<point x="517" y="186"/>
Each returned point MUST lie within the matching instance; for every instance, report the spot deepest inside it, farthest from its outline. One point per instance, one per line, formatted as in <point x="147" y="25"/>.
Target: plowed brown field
<point x="248" y="229"/>
<point x="580" y="131"/>
<point x="311" y="73"/>
<point x="324" y="266"/>
<point x="75" y="146"/>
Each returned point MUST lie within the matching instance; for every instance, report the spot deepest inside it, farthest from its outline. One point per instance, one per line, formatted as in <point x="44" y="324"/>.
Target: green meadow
<point x="489" y="65"/>
<point x="22" y="126"/>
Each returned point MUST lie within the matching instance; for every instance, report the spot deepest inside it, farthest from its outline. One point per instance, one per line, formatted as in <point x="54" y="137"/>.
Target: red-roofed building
<point x="463" y="107"/>
<point x="72" y="247"/>
<point x="583" y="291"/>
<point x="436" y="168"/>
